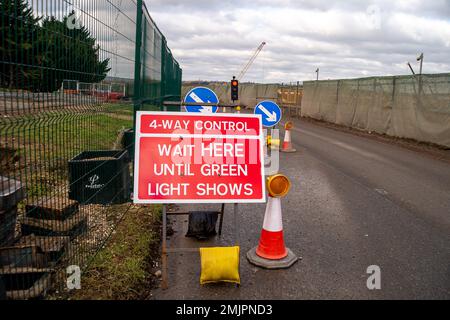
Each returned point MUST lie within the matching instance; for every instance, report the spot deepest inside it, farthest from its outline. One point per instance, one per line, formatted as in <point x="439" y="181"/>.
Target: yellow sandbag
<point x="220" y="265"/>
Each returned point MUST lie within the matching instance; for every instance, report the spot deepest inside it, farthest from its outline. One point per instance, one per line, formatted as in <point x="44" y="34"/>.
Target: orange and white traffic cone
<point x="271" y="244"/>
<point x="287" y="143"/>
<point x="271" y="252"/>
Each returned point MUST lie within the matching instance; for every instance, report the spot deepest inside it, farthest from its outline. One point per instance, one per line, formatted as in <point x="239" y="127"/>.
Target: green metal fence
<point x="157" y="75"/>
<point x="71" y="75"/>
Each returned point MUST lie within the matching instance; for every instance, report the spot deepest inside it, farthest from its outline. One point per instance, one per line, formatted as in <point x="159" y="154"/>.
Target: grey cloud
<point x="213" y="39"/>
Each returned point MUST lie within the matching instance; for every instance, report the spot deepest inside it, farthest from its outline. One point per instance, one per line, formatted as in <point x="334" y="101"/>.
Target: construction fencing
<point x="69" y="71"/>
<point x="288" y="96"/>
<point x="249" y="93"/>
<point x="415" y="107"/>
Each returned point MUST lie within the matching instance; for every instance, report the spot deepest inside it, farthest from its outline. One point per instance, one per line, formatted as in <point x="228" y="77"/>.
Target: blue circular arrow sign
<point x="270" y="112"/>
<point x="201" y="95"/>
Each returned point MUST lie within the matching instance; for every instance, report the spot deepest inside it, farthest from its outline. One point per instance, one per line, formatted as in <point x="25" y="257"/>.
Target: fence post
<point x="394" y="91"/>
<point x="137" y="62"/>
<point x="337" y="100"/>
<point x="297" y="99"/>
<point x="163" y="69"/>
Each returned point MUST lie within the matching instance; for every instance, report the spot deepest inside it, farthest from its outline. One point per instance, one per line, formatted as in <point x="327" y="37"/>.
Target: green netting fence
<point x="72" y="73"/>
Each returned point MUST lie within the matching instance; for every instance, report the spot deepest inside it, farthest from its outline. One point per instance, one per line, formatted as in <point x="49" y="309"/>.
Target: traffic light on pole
<point x="234" y="89"/>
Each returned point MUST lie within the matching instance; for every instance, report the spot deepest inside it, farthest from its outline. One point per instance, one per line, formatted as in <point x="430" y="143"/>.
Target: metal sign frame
<point x="166" y="250"/>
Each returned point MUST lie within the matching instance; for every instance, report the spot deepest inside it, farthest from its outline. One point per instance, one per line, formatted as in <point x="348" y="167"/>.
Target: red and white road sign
<point x="202" y="158"/>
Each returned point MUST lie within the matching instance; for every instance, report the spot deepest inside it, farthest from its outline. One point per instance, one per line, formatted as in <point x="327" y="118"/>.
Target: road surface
<point x="355" y="202"/>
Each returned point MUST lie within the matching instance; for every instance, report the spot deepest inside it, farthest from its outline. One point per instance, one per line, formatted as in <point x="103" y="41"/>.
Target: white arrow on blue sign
<point x="201" y="95"/>
<point x="270" y="112"/>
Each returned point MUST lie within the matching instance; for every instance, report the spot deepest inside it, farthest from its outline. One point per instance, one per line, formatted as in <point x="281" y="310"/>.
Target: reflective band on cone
<point x="287" y="140"/>
<point x="271" y="244"/>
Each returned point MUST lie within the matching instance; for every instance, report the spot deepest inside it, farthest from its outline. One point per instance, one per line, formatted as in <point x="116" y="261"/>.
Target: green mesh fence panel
<point x="67" y="85"/>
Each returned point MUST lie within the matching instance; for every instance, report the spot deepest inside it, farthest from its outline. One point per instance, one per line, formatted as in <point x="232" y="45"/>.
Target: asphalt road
<point x="355" y="202"/>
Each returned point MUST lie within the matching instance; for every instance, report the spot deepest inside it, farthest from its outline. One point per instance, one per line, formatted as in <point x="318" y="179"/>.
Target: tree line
<point x="37" y="53"/>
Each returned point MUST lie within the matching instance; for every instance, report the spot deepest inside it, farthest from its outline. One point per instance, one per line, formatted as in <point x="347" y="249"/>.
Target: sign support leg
<point x="222" y="212"/>
<point x="164" y="284"/>
<point x="236" y="223"/>
<point x="236" y="231"/>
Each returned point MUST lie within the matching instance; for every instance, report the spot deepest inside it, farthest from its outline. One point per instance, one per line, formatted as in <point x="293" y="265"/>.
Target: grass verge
<point x="123" y="269"/>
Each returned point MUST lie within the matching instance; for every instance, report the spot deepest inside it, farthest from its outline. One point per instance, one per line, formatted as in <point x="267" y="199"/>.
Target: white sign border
<point x="137" y="148"/>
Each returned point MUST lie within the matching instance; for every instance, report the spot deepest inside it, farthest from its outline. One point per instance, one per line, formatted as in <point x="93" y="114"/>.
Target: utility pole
<point x="411" y="68"/>
<point x="420" y="58"/>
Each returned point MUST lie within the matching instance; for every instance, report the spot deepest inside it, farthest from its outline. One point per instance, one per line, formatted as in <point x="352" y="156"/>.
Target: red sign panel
<point x="184" y="158"/>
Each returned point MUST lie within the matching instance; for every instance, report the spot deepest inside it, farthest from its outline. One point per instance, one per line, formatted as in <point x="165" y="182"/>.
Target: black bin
<point x="2" y="289"/>
<point x="11" y="193"/>
<point x="100" y="177"/>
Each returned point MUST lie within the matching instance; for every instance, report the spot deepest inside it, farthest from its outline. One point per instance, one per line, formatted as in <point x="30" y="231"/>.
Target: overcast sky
<point x="212" y="39"/>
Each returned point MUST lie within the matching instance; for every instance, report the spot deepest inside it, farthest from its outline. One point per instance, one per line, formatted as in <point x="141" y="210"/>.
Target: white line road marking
<point x="344" y="145"/>
<point x="382" y="192"/>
